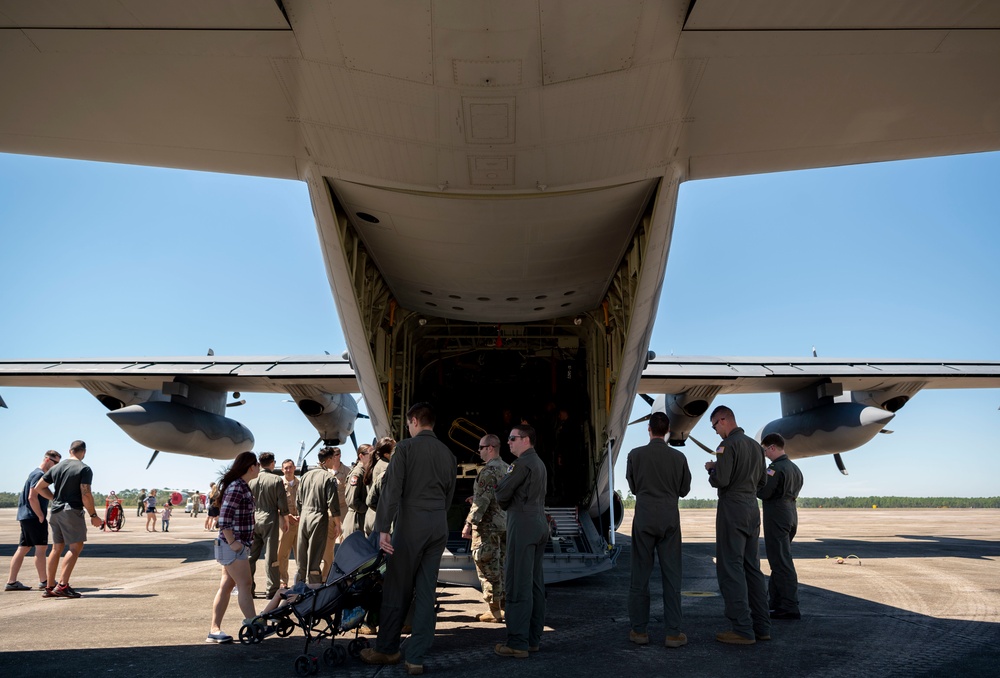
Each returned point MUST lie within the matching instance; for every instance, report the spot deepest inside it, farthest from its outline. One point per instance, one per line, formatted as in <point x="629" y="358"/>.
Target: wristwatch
<point x="93" y="515"/>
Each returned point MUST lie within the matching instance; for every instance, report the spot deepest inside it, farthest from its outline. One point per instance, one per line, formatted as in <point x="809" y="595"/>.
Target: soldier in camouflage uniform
<point x="486" y="525"/>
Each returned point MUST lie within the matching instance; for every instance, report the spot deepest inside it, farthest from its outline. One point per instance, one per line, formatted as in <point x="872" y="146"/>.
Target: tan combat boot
<point x="495" y="615"/>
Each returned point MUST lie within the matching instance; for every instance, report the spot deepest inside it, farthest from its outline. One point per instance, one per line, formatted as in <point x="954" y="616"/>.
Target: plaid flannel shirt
<point x="236" y="512"/>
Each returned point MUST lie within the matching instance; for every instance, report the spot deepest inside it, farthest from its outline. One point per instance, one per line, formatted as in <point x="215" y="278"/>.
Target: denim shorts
<point x="225" y="554"/>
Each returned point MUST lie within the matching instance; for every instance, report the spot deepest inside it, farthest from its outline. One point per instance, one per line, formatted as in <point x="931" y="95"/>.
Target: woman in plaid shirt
<point x="232" y="548"/>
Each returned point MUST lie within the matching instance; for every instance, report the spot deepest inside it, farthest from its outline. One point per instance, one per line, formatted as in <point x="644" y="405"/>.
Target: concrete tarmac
<point x="918" y="595"/>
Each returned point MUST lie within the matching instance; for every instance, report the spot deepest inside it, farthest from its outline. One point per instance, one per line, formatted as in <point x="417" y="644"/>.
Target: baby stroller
<point x="353" y="586"/>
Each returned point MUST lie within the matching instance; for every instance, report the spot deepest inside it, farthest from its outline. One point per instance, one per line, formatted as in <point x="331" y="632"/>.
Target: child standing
<point x="165" y="516"/>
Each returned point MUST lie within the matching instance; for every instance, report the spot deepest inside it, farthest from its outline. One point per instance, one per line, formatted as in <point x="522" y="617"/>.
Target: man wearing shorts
<point x="34" y="529"/>
<point x="70" y="493"/>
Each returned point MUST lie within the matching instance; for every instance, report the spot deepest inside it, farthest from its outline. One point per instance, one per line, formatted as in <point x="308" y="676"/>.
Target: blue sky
<point x="893" y="260"/>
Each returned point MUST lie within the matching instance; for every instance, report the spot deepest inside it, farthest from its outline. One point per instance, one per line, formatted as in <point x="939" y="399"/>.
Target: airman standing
<point x="521" y="493"/>
<point x="657" y="475"/>
<point x="383" y="452"/>
<point x="290" y="531"/>
<point x="781" y="520"/>
<point x="738" y="474"/>
<point x="339" y="470"/>
<point x="419" y="486"/>
<point x="270" y="512"/>
<point x="318" y="504"/>
<point x="486" y="525"/>
<point x="355" y="492"/>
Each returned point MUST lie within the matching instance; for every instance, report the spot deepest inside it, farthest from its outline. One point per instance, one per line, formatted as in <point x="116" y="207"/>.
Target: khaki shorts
<point x="69" y="526"/>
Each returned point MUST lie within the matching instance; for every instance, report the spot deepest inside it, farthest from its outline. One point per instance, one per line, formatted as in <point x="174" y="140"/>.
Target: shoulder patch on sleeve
<point x="353" y="480"/>
<point x="720" y="449"/>
<point x="510" y="468"/>
<point x="770" y="471"/>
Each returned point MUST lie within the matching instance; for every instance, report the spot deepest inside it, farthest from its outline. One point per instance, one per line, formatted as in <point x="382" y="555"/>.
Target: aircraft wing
<point x="180" y="404"/>
<point x="733" y="375"/>
<point x="828" y="406"/>
<point x="270" y="374"/>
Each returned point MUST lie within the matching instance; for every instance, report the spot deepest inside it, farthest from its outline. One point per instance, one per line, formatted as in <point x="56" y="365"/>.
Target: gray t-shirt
<point x="65" y="479"/>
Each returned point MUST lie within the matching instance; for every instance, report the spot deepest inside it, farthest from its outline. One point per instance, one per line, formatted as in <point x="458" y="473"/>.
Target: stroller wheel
<point x="334" y="655"/>
<point x="355" y="646"/>
<point x="247" y="635"/>
<point x="314" y="669"/>
<point x="260" y="631"/>
<point x="303" y="666"/>
<point x="285" y="628"/>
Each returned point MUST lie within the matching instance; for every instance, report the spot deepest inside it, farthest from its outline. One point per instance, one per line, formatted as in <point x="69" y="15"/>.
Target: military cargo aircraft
<point x="553" y="134"/>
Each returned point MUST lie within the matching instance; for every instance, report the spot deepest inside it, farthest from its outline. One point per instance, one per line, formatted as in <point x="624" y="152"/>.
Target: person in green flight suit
<point x="738" y="473"/>
<point x="270" y="512"/>
<point x="781" y="521"/>
<point x="418" y="488"/>
<point x="522" y="494"/>
<point x="657" y="475"/>
<point x="318" y="504"/>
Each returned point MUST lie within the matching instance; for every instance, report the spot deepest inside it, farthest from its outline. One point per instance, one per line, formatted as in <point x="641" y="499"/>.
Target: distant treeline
<point x="861" y="502"/>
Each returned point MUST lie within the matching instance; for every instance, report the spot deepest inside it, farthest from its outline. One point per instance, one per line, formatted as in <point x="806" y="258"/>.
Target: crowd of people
<point x="400" y="493"/>
<point x="658" y="476"/>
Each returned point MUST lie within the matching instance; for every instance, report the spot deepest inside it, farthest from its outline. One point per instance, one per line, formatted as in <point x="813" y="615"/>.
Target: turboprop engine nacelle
<point x="173" y="427"/>
<point x="828" y="429"/>
<point x="685" y="410"/>
<point x="332" y="414"/>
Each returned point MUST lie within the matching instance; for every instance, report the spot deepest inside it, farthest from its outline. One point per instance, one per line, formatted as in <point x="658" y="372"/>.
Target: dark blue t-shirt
<point x="23" y="507"/>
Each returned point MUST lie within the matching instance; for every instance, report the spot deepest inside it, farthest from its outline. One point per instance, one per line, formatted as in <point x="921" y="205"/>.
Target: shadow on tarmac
<point x="925" y="606"/>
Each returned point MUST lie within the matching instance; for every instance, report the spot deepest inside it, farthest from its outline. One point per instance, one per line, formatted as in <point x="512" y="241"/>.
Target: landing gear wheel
<point x="248" y="635"/>
<point x="303" y="666"/>
<point x="285" y="628"/>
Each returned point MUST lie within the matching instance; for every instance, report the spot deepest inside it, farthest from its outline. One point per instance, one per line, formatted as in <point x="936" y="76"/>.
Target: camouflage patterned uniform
<point x="489" y="532"/>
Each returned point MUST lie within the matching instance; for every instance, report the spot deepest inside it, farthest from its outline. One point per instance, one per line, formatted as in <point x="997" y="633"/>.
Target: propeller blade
<point x="354" y="439"/>
<point x="840" y="463"/>
<point x="155" y="452"/>
<point x="303" y="467"/>
<point x="887" y="431"/>
<point x="699" y="444"/>
<point x="237" y="403"/>
<point x="647" y="398"/>
<point x="639" y="420"/>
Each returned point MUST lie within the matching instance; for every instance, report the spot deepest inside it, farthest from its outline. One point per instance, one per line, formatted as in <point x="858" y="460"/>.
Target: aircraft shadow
<point x="587" y="627"/>
<point x="914" y="547"/>
<point x="187" y="552"/>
